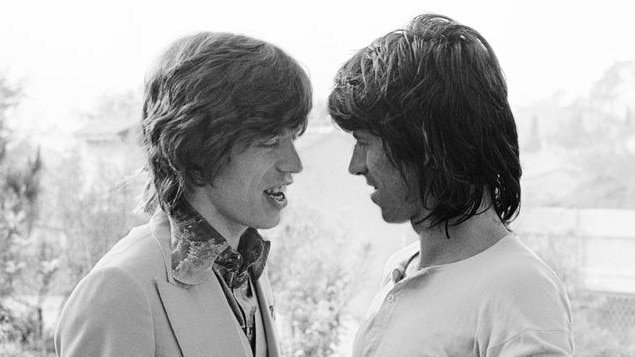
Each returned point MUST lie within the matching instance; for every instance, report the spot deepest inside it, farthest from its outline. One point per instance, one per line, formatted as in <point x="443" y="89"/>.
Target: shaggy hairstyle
<point x="435" y="94"/>
<point x="207" y="93"/>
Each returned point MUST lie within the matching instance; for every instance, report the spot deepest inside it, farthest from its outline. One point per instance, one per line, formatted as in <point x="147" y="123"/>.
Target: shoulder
<point x="128" y="269"/>
<point x="107" y="287"/>
<point x="522" y="300"/>
<point x="138" y="254"/>
<point x="514" y="269"/>
<point x="108" y="314"/>
<point x="122" y="274"/>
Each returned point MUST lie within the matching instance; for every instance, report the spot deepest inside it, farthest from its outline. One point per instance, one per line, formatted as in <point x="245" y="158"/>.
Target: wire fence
<point x="614" y="312"/>
<point x="593" y="253"/>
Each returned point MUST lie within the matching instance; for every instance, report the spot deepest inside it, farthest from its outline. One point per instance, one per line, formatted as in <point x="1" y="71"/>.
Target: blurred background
<point x="71" y="75"/>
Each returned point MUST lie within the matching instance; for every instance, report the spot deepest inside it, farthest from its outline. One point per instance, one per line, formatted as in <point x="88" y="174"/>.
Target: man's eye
<point x="273" y="142"/>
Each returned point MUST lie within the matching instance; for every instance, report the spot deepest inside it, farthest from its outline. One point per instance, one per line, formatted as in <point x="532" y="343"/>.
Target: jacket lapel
<point x="202" y="320"/>
<point x="265" y="300"/>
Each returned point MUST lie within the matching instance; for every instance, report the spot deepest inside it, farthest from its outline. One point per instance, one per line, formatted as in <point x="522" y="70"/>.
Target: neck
<point x="466" y="239"/>
<point x="231" y="232"/>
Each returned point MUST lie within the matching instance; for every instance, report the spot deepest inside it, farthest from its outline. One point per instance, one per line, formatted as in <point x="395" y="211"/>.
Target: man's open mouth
<point x="277" y="193"/>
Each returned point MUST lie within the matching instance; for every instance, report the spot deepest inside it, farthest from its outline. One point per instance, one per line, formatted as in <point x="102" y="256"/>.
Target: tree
<point x="19" y="188"/>
<point x="91" y="191"/>
<point x="534" y="142"/>
<point x="91" y="219"/>
<point x="314" y="273"/>
<point x="19" y="191"/>
<point x="605" y="157"/>
<point x="596" y="138"/>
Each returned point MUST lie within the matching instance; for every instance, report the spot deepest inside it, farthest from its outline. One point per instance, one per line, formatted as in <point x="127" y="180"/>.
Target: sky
<point x="68" y="54"/>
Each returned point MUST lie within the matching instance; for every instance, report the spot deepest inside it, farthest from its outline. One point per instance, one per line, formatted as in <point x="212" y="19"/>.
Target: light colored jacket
<point x="130" y="305"/>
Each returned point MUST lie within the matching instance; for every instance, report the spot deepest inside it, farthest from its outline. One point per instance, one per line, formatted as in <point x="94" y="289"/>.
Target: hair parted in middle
<point x="207" y="93"/>
<point x="435" y="94"/>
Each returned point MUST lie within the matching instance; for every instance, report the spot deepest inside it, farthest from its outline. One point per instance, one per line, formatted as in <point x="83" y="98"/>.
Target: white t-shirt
<point x="504" y="301"/>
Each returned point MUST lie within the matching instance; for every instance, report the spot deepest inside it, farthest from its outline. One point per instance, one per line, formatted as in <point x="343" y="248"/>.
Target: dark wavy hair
<point x="435" y="94"/>
<point x="207" y="93"/>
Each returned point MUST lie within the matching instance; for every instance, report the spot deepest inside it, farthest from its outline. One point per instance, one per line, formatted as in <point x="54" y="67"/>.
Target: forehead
<point x="255" y="138"/>
<point x="282" y="133"/>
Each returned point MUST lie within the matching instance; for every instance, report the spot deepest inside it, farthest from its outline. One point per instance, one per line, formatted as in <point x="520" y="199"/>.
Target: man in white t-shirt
<point x="437" y="140"/>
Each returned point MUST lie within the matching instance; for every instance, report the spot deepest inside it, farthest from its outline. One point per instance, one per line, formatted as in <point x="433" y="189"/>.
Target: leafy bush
<point x="314" y="273"/>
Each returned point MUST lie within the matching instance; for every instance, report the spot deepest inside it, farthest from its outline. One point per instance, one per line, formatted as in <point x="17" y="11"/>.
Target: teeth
<point x="277" y="193"/>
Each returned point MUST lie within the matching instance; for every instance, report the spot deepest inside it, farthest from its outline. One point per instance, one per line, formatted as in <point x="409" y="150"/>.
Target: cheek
<point x="252" y="187"/>
<point x="390" y="177"/>
<point x="234" y="191"/>
<point x="376" y="161"/>
<point x="412" y="182"/>
<point x="381" y="167"/>
<point x="244" y="180"/>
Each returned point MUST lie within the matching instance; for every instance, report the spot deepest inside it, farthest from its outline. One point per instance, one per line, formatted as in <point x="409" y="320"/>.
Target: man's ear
<point x="197" y="176"/>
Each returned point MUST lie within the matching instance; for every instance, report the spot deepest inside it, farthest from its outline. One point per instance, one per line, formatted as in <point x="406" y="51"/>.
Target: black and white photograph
<point x="353" y="178"/>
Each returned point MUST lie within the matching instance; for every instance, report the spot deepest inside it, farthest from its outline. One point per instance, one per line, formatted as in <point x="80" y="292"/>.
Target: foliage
<point x="92" y="220"/>
<point x="20" y="333"/>
<point x="19" y="191"/>
<point x="54" y="240"/>
<point x="598" y="136"/>
<point x="89" y="203"/>
<point x="314" y="272"/>
<point x="12" y="198"/>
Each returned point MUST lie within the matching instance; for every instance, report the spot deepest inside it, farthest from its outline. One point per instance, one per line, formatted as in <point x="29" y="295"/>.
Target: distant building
<point x="109" y="146"/>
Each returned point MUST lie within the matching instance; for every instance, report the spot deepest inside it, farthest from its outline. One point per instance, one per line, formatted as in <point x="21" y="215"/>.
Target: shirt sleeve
<point x="107" y="315"/>
<point x="535" y="343"/>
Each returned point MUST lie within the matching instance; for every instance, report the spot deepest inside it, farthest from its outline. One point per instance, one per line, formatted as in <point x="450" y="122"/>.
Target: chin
<point x="267" y="223"/>
<point x="388" y="219"/>
<point x="391" y="218"/>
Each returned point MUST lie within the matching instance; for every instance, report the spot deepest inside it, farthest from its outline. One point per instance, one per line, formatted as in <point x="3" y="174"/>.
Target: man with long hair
<point x="220" y="115"/>
<point x="436" y="139"/>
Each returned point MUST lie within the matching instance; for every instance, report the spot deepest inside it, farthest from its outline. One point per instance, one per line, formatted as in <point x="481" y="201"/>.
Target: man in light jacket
<point x="220" y="115"/>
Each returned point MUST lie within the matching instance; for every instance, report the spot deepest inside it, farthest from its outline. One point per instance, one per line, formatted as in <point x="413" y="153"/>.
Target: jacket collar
<point x="187" y="305"/>
<point x="197" y="248"/>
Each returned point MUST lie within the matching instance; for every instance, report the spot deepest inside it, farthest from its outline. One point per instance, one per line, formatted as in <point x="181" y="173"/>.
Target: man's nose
<point x="291" y="160"/>
<point x="357" y="166"/>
